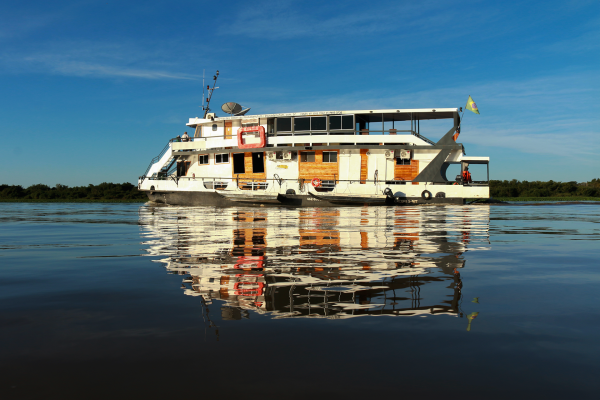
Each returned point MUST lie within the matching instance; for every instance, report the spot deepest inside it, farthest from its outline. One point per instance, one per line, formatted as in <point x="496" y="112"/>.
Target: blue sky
<point x="92" y="90"/>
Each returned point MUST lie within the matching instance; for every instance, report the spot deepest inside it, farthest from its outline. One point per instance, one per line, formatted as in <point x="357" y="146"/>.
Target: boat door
<point x="182" y="168"/>
<point x="228" y="129"/>
<point x="239" y="166"/>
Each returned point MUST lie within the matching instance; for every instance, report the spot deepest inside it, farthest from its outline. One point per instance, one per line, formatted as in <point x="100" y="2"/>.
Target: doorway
<point x="238" y="163"/>
<point x="182" y="168"/>
<point x="228" y="129"/>
<point x="258" y="163"/>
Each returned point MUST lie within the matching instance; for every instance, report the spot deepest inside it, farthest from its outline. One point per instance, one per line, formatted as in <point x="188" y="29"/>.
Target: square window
<point x="203" y="159"/>
<point x="401" y="161"/>
<point x="222" y="158"/>
<point x="318" y="123"/>
<point x="329" y="156"/>
<point x="302" y="124"/>
<point x="214" y="127"/>
<point x="284" y="124"/>
<point x="307" y="156"/>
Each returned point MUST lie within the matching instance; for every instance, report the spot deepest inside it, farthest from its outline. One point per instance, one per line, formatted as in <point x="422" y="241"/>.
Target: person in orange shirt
<point x="466" y="176"/>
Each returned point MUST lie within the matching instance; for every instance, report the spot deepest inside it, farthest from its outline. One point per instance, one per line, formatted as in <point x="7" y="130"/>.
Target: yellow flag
<point x="472" y="106"/>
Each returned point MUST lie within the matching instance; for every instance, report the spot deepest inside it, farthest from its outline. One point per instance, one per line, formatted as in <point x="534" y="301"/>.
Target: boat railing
<point x="320" y="133"/>
<point x="158" y="157"/>
<point x="221" y="183"/>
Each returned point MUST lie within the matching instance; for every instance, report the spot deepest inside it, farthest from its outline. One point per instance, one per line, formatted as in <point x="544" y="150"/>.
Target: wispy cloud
<point x="283" y="20"/>
<point x="92" y="59"/>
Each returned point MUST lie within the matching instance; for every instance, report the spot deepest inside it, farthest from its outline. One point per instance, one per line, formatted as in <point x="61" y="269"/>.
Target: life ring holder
<point x="316" y="182"/>
<point x="426" y="195"/>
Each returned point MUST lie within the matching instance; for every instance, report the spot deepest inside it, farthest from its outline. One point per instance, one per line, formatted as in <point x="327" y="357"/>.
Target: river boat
<point x="320" y="158"/>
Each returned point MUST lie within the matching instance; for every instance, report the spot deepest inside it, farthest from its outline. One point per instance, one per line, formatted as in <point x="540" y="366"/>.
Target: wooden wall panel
<point x="406" y="172"/>
<point x="249" y="175"/>
<point x="228" y="129"/>
<point x="318" y="169"/>
<point x="364" y="159"/>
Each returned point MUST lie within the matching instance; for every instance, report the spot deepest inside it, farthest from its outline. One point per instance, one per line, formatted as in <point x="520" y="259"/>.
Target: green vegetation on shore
<point x="104" y="192"/>
<point x="520" y="190"/>
<point x="127" y="193"/>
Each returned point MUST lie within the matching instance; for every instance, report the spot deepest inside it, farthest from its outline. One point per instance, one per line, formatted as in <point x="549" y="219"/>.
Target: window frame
<point x="329" y="161"/>
<point x="221" y="162"/>
<point x="306" y="153"/>
<point x="207" y="159"/>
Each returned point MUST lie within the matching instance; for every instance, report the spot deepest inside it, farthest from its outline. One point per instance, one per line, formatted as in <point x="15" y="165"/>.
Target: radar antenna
<point x="210" y="92"/>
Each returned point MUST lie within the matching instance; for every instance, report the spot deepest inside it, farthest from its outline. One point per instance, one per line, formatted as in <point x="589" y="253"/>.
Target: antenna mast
<point x="203" y="71"/>
<point x="210" y="92"/>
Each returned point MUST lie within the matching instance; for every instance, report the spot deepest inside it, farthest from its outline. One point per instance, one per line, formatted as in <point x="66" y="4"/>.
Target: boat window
<point x="302" y="124"/>
<point x="347" y="122"/>
<point x="318" y="123"/>
<point x="284" y="124"/>
<point x="339" y="122"/>
<point x="222" y="158"/>
<point x="335" y="122"/>
<point x="330" y="156"/>
<point x="203" y="159"/>
<point x="279" y="155"/>
<point x="307" y="156"/>
<point x="401" y="161"/>
<point x="214" y="127"/>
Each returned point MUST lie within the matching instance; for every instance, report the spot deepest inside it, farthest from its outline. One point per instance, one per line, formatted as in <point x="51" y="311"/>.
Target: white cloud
<point x="94" y="59"/>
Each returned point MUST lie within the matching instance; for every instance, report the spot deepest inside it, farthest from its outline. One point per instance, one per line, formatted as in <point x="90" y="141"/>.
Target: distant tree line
<point x="517" y="188"/>
<point x="103" y="191"/>
<point x="127" y="191"/>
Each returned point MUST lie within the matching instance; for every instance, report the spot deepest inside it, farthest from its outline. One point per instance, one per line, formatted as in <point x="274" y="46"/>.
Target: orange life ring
<point x="316" y="182"/>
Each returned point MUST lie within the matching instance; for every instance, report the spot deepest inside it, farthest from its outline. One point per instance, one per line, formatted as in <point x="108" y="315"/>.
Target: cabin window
<point x="214" y="127"/>
<point x="302" y="124"/>
<point x="222" y="158"/>
<point x="402" y="161"/>
<point x="284" y="124"/>
<point x="203" y="159"/>
<point x="307" y="156"/>
<point x="310" y="124"/>
<point x="279" y="155"/>
<point x="330" y="156"/>
<point x="318" y="124"/>
<point x="339" y="122"/>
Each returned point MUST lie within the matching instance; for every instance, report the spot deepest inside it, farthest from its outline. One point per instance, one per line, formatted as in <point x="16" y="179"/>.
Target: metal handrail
<point x="321" y="133"/>
<point x="158" y="157"/>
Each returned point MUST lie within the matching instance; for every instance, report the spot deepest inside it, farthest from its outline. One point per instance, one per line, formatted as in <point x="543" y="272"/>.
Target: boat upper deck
<point x="401" y="126"/>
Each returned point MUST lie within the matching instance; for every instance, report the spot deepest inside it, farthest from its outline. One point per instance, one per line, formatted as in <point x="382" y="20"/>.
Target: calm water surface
<point x="461" y="302"/>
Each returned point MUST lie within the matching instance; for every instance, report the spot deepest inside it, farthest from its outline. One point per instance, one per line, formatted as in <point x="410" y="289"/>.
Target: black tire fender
<point x="426" y="195"/>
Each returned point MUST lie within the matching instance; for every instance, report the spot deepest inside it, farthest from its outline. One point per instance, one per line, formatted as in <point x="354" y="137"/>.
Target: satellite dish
<point x="231" y="108"/>
<point x="234" y="109"/>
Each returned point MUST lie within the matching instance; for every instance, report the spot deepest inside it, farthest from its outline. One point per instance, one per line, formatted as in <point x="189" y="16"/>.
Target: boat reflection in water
<point x="319" y="263"/>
